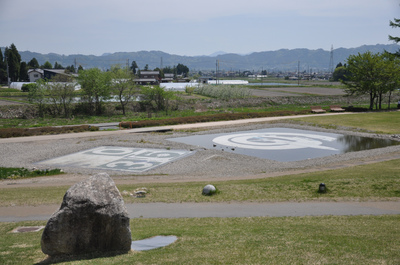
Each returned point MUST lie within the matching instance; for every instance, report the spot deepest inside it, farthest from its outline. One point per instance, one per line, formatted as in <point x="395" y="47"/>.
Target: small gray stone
<point x="209" y="190"/>
<point x="92" y="218"/>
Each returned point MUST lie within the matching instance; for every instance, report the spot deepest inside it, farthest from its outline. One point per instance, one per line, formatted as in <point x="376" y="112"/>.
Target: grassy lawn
<point x="256" y="240"/>
<point x="377" y="122"/>
<point x="380" y="181"/>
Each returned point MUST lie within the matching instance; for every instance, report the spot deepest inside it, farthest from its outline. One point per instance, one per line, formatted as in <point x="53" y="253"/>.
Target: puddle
<point x="153" y="243"/>
<point x="285" y="144"/>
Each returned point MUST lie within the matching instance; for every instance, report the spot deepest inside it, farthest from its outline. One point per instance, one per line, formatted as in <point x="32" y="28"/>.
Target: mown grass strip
<point x="255" y="240"/>
<point x="377" y="122"/>
<point x="379" y="181"/>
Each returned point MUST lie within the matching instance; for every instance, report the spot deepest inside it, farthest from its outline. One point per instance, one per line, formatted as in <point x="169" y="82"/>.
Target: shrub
<point x="18" y="132"/>
<point x="208" y="118"/>
<point x="28" y="87"/>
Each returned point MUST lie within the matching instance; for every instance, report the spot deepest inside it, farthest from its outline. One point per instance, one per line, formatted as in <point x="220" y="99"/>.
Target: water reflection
<point x="353" y="143"/>
<point x="284" y="144"/>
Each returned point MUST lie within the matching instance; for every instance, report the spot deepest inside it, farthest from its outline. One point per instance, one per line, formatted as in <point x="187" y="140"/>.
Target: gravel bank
<point x="204" y="164"/>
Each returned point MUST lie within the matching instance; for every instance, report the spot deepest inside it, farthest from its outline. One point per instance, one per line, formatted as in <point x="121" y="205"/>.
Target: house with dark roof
<point x="148" y="78"/>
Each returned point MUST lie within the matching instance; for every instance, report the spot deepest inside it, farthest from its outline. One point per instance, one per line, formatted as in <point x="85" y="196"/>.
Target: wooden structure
<point x="336" y="108"/>
<point x="317" y="109"/>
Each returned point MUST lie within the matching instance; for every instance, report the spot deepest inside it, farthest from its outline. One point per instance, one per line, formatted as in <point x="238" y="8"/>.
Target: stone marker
<point x="209" y="190"/>
<point x="92" y="218"/>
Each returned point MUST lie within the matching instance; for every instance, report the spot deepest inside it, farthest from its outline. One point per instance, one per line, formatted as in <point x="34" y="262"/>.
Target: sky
<point x="194" y="27"/>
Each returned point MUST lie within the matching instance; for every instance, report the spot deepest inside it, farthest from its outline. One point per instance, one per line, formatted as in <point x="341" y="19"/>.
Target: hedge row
<point x="209" y="118"/>
<point x="18" y="132"/>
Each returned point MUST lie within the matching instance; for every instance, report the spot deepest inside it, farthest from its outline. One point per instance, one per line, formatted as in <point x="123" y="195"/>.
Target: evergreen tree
<point x="33" y="64"/>
<point x="23" y="72"/>
<point x="133" y="67"/>
<point x="3" y="69"/>
<point x="47" y="65"/>
<point x="58" y="66"/>
<point x="13" y="59"/>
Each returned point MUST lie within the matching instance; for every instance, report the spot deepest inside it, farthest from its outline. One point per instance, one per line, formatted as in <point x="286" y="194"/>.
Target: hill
<point x="284" y="59"/>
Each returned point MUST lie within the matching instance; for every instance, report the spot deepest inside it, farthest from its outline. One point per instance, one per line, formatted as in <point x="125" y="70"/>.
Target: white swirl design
<point x="275" y="141"/>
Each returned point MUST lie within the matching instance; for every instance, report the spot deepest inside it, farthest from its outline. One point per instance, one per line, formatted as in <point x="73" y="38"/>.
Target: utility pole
<point x="216" y="71"/>
<point x="298" y="73"/>
<point x="331" y="61"/>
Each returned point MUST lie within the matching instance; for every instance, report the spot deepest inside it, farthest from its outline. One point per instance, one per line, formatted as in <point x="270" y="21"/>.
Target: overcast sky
<point x="194" y="27"/>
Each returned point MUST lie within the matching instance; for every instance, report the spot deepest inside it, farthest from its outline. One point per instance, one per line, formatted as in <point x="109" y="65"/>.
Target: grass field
<point x="256" y="240"/>
<point x="377" y="122"/>
<point x="378" y="181"/>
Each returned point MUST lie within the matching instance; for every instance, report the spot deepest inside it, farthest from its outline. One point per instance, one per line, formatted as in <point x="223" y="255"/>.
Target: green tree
<point x="156" y="98"/>
<point x="96" y="88"/>
<point x="47" y="65"/>
<point x="37" y="95"/>
<point x="13" y="59"/>
<point x="58" y="66"/>
<point x="61" y="94"/>
<point x="133" y="67"/>
<point x="23" y="72"/>
<point x="124" y="86"/>
<point x="182" y="70"/>
<point x="33" y="64"/>
<point x="70" y="69"/>
<point x="394" y="24"/>
<point x="339" y="73"/>
<point x="3" y="69"/>
<point x="372" y="74"/>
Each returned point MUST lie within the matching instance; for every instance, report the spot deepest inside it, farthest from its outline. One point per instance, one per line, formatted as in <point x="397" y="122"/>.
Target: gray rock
<point x="209" y="190"/>
<point x="92" y="218"/>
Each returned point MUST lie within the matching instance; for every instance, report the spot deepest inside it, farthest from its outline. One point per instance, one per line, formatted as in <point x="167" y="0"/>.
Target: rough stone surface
<point x="92" y="218"/>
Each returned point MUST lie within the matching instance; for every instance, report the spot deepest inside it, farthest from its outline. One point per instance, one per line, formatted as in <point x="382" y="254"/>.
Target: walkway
<point x="156" y="129"/>
<point x="200" y="210"/>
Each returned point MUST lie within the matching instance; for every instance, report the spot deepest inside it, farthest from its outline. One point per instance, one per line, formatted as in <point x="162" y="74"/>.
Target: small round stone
<point x="209" y="189"/>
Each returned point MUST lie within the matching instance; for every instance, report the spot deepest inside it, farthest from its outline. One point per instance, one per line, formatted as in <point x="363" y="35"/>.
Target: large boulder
<point x="92" y="218"/>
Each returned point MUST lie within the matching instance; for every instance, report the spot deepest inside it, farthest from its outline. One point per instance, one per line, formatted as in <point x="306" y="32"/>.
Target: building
<point x="168" y="78"/>
<point x="35" y="74"/>
<point x="50" y="73"/>
<point x="148" y="78"/>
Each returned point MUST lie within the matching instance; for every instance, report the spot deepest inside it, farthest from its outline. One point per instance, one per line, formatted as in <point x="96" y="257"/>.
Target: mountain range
<point x="279" y="60"/>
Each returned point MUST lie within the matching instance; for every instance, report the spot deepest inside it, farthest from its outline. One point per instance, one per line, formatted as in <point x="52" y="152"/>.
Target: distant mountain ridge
<point x="283" y="59"/>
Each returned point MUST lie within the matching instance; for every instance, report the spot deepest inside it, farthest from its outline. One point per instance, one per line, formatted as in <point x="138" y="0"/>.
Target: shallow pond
<point x="284" y="144"/>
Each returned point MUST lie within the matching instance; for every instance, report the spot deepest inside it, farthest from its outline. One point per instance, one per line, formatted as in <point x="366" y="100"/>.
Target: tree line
<point x="16" y="70"/>
<point x="58" y="97"/>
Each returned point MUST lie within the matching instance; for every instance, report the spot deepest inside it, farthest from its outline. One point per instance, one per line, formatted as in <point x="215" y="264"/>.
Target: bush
<point x="208" y="118"/>
<point x="19" y="132"/>
<point x="28" y="87"/>
<point x="13" y="173"/>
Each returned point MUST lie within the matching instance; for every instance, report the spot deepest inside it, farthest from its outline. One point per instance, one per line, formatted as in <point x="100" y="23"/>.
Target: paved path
<point x="159" y="128"/>
<point x="199" y="210"/>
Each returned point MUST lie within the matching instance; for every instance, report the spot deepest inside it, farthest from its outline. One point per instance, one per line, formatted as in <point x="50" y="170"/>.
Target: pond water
<point x="284" y="144"/>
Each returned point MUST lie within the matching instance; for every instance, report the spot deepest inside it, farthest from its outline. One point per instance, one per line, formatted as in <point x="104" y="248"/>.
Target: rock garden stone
<point x="209" y="190"/>
<point x="92" y="218"/>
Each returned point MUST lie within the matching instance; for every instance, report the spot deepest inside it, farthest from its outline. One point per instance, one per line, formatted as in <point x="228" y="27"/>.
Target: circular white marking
<point x="274" y="141"/>
<point x="112" y="151"/>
